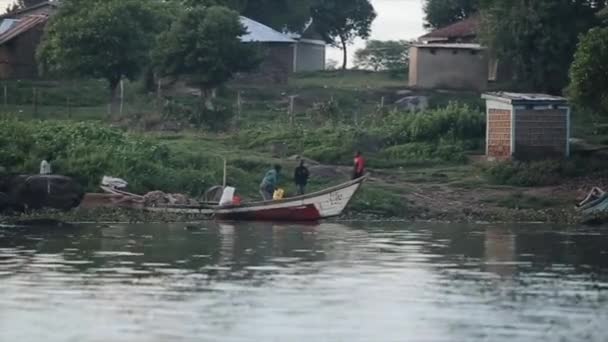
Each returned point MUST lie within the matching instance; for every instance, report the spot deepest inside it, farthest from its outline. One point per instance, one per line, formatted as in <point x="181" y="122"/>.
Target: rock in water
<point x="42" y="191"/>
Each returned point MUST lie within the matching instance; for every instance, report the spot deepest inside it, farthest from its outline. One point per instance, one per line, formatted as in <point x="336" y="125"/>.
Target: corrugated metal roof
<point x="7" y="24"/>
<point x="21" y="26"/>
<point x="462" y="29"/>
<point x="523" y="98"/>
<point x="468" y="46"/>
<point x="258" y="32"/>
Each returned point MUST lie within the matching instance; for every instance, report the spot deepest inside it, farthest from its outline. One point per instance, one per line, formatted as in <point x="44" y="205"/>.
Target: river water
<point x="332" y="282"/>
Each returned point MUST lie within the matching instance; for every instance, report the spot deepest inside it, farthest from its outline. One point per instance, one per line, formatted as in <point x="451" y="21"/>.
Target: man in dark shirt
<point x="300" y="177"/>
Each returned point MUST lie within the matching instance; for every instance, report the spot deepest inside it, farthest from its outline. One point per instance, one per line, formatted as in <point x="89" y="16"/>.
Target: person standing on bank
<point x="300" y="177"/>
<point x="269" y="183"/>
<point x="359" y="166"/>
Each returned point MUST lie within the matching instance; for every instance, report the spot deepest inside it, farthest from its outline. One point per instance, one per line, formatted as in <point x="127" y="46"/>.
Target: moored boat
<point x="323" y="204"/>
<point x="595" y="203"/>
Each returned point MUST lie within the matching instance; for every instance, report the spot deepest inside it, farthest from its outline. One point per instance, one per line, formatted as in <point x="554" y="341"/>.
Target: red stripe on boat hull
<point x="302" y="213"/>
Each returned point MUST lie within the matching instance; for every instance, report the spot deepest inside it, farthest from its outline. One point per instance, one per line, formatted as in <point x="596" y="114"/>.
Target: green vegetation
<point x="521" y="201"/>
<point x="378" y="201"/>
<point x="390" y="55"/>
<point x="203" y="46"/>
<point x="100" y="39"/>
<point x="542" y="173"/>
<point x="397" y="138"/>
<point x="341" y="21"/>
<point x="588" y="86"/>
<point x="532" y="37"/>
<point x="439" y="13"/>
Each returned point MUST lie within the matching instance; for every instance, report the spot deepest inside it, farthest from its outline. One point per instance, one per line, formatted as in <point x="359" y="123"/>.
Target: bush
<point x="455" y="121"/>
<point x="588" y="87"/>
<point x="88" y="151"/>
<point x="525" y="174"/>
<point x="541" y="173"/>
<point x="190" y="110"/>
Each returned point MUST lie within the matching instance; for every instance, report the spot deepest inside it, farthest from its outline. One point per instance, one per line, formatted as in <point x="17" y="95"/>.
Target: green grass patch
<point x="522" y="201"/>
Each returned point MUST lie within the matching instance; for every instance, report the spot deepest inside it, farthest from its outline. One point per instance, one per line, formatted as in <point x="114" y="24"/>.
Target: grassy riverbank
<point x="425" y="165"/>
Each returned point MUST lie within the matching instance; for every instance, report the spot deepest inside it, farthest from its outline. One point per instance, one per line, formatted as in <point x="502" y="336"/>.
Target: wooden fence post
<point x="69" y="105"/>
<point x="292" y="99"/>
<point x="239" y="108"/>
<point x="35" y="100"/>
<point x="122" y="96"/>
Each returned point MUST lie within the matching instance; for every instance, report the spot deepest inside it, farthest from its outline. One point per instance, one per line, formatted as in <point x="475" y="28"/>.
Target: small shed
<point x="526" y="126"/>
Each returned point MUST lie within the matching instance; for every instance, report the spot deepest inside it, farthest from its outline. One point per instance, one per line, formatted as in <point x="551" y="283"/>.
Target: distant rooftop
<point x="524" y="98"/>
<point x="12" y="28"/>
<point x="462" y="29"/>
<point x="468" y="46"/>
<point x="258" y="32"/>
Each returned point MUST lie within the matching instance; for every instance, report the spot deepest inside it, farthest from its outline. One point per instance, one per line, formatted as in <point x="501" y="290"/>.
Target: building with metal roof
<point x="19" y="39"/>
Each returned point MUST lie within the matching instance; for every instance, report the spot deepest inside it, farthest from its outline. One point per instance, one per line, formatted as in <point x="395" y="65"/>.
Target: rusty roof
<point x="21" y="26"/>
<point x="461" y="29"/>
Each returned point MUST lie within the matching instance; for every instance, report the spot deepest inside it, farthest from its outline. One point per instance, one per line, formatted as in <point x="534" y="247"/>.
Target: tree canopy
<point x="108" y="39"/>
<point x="203" y="44"/>
<point x="439" y="13"/>
<point x="589" y="71"/>
<point x="391" y="55"/>
<point x="341" y="21"/>
<point x="279" y="14"/>
<point x="537" y="38"/>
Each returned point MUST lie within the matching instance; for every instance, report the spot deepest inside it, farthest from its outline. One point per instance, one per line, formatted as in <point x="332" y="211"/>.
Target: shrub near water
<point x="89" y="151"/>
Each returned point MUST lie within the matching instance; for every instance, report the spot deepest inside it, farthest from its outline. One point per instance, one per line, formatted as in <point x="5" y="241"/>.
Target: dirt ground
<point x="458" y="194"/>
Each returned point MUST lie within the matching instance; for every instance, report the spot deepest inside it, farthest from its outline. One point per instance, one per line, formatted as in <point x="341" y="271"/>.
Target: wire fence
<point x="91" y="100"/>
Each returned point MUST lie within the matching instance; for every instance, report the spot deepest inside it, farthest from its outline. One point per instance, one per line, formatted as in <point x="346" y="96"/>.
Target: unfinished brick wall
<point x="499" y="133"/>
<point x="541" y="133"/>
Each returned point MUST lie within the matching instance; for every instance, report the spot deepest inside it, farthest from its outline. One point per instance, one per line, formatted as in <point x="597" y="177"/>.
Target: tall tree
<point x="439" y="13"/>
<point x="341" y="21"/>
<point x="108" y="39"/>
<point x="391" y="55"/>
<point x="279" y="14"/>
<point x="589" y="72"/>
<point x="203" y="45"/>
<point x="537" y="38"/>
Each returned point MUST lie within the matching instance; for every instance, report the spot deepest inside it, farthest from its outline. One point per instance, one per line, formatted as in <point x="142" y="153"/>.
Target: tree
<point x="203" y="45"/>
<point x="378" y="55"/>
<point x="109" y="39"/>
<point x="439" y="13"/>
<point x="589" y="71"/>
<point x="281" y="15"/>
<point x="341" y="21"/>
<point x="537" y="38"/>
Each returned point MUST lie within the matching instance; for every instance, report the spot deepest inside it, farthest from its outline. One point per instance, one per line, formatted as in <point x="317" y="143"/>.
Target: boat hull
<point x="316" y="206"/>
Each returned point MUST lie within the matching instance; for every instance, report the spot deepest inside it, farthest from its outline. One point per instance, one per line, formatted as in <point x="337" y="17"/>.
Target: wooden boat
<point x="323" y="204"/>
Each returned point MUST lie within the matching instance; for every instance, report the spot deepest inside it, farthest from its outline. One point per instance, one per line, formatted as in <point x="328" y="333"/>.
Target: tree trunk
<point x="114" y="99"/>
<point x="345" y="60"/>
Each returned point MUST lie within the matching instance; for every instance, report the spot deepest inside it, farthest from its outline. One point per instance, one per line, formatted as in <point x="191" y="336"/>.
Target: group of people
<point x="300" y="177"/>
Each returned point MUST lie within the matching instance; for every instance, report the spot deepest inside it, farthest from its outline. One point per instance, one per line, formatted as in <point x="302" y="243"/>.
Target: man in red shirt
<point x="359" y="169"/>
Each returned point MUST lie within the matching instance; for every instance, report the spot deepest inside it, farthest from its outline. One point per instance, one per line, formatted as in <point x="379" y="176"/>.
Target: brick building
<point x="527" y="126"/>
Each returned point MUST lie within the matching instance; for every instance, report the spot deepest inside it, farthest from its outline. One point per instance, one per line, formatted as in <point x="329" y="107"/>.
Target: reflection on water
<point x="273" y="282"/>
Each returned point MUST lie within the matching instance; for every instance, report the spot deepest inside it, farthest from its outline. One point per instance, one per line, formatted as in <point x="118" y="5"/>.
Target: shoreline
<point x="134" y="216"/>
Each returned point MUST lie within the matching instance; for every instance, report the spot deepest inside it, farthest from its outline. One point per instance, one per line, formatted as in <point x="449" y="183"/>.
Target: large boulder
<point x="32" y="192"/>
